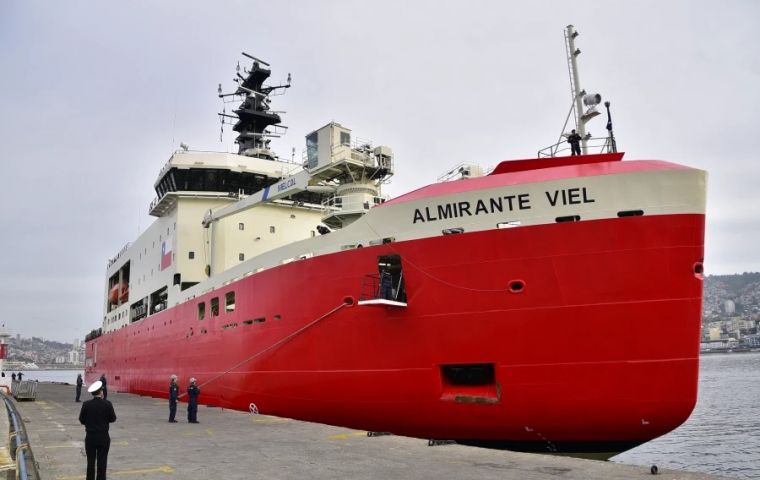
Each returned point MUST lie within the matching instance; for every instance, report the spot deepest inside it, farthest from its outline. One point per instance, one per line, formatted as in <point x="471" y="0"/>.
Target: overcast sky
<point x="95" y="96"/>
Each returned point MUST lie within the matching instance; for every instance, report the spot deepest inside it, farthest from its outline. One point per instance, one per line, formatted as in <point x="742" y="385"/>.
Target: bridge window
<point x="215" y="307"/>
<point x="312" y="150"/>
<point x="201" y="310"/>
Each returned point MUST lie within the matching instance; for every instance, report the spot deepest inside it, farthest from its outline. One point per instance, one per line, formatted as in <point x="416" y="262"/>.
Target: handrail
<point x="18" y="435"/>
<point x="601" y="144"/>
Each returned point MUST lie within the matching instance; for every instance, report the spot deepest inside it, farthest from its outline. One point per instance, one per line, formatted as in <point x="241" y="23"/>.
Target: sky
<point x="96" y="96"/>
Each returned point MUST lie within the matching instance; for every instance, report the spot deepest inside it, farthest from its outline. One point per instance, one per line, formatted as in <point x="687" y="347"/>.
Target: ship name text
<point x="508" y="203"/>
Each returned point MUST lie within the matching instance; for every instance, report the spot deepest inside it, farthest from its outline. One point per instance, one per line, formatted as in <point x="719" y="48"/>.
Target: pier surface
<point x="236" y="445"/>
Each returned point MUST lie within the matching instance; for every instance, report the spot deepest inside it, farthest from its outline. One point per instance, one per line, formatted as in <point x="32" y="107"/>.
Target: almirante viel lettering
<point x="507" y="203"/>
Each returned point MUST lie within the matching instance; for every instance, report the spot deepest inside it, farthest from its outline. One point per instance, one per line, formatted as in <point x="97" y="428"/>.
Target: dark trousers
<point x="172" y="410"/>
<point x="79" y="392"/>
<point x="97" y="449"/>
<point x="192" y="411"/>
<point x="575" y="149"/>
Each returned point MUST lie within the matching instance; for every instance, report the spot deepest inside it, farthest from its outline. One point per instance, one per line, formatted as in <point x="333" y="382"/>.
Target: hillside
<point x="743" y="290"/>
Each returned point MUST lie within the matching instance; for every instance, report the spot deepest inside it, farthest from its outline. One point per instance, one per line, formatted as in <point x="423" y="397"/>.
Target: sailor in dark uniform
<point x="173" y="395"/>
<point x="105" y="385"/>
<point x="192" y="402"/>
<point x="80" y="382"/>
<point x="386" y="285"/>
<point x="575" y="143"/>
<point x="96" y="415"/>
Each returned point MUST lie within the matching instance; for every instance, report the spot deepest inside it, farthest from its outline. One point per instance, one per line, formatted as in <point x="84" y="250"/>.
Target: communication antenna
<point x="253" y="118"/>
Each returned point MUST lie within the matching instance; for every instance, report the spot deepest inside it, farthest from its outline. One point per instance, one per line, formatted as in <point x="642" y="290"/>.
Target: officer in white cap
<point x="96" y="415"/>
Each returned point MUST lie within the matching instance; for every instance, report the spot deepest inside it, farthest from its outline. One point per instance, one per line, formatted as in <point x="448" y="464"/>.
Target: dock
<point x="239" y="445"/>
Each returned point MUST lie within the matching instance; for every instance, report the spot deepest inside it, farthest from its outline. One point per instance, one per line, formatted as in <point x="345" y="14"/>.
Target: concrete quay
<point x="236" y="445"/>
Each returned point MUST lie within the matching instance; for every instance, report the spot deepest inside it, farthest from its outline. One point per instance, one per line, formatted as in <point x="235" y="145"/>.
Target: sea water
<point x="58" y="376"/>
<point x="722" y="436"/>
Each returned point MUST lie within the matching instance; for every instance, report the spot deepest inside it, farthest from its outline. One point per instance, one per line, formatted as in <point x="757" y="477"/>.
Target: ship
<point x="551" y="305"/>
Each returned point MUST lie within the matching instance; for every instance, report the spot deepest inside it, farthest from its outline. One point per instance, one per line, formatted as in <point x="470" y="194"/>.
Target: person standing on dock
<point x="13" y="376"/>
<point x="20" y="375"/>
<point x="173" y="396"/>
<point x="80" y="382"/>
<point x="96" y="415"/>
<point x="105" y="385"/>
<point x="192" y="401"/>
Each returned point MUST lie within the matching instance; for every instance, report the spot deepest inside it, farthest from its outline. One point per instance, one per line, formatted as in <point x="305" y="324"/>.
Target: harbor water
<point x="58" y="376"/>
<point x="720" y="437"/>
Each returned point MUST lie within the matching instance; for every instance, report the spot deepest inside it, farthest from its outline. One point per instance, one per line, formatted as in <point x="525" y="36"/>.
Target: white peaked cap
<point x="95" y="387"/>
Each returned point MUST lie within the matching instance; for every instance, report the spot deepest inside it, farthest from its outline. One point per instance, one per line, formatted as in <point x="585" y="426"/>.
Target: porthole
<point x="516" y="286"/>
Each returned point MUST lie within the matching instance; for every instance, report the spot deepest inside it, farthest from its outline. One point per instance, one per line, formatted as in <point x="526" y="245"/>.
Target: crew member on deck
<point x="20" y="376"/>
<point x="192" y="401"/>
<point x="96" y="415"/>
<point x="386" y="285"/>
<point x="173" y="395"/>
<point x="575" y="143"/>
<point x="80" y="382"/>
<point x="13" y="376"/>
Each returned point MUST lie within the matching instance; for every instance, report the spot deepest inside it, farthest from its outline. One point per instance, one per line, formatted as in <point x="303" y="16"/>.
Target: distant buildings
<point x="729" y="307"/>
<point x="731" y="312"/>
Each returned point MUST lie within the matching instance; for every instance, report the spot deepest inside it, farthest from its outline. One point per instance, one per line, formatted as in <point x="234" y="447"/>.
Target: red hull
<point x="598" y="352"/>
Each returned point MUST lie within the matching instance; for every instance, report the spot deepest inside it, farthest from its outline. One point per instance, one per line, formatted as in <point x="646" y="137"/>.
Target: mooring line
<point x="274" y="345"/>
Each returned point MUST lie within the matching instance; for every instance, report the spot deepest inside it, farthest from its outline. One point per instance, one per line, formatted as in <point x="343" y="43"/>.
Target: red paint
<point x="511" y="166"/>
<point x="507" y="177"/>
<point x="601" y="344"/>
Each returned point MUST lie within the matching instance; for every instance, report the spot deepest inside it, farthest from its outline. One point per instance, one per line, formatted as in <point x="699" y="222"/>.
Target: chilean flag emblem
<point x="166" y="254"/>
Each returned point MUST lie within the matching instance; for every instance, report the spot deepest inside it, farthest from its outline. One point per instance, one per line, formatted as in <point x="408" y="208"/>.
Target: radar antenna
<point x="253" y="119"/>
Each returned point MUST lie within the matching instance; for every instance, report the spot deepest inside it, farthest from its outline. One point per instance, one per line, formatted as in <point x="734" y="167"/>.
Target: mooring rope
<point x="274" y="345"/>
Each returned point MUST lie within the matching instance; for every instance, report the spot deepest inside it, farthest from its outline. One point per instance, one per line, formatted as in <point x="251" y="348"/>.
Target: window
<point x="229" y="302"/>
<point x="215" y="307"/>
<point x="201" y="310"/>
<point x="271" y="229"/>
<point x="191" y="255"/>
<point x="241" y="226"/>
<point x="241" y="256"/>
<point x="312" y="150"/>
<point x="345" y="138"/>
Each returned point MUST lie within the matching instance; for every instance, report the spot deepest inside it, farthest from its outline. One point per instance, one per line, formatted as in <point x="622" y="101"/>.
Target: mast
<point x="253" y="117"/>
<point x="575" y="89"/>
<point x="580" y="97"/>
